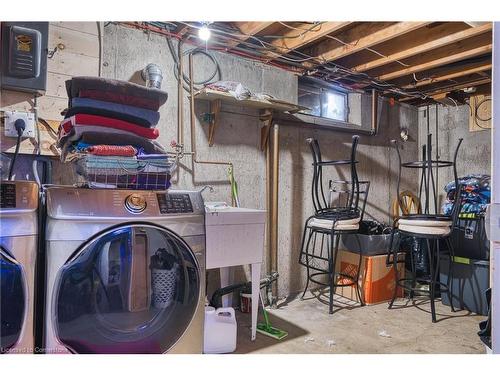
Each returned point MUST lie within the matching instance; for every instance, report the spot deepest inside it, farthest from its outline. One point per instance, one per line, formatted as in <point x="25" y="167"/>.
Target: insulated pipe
<point x="374" y="124"/>
<point x="193" y="131"/>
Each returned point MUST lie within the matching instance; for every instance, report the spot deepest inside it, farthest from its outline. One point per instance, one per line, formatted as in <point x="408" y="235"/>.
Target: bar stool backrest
<point x="427" y="176"/>
<point x="321" y="204"/>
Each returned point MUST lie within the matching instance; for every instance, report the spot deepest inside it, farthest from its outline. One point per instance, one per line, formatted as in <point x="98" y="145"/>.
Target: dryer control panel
<point x="174" y="203"/>
<point x="8" y="196"/>
<point x="18" y="196"/>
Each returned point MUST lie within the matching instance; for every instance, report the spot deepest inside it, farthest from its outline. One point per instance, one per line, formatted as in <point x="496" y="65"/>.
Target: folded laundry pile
<point x="475" y="195"/>
<point x="109" y="131"/>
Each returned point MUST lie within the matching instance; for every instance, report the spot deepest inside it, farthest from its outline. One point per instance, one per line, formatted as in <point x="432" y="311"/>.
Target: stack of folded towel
<point x="109" y="128"/>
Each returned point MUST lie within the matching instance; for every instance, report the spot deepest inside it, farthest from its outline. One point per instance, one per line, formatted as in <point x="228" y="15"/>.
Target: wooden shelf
<point x="274" y="104"/>
<point x="266" y="107"/>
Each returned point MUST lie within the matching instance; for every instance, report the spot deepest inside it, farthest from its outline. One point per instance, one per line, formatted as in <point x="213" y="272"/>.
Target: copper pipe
<point x="180" y="104"/>
<point x="274" y="213"/>
<point x="193" y="130"/>
<point x="374" y="124"/>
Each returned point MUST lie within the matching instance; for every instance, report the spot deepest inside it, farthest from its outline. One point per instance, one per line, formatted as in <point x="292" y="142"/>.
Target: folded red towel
<point x="83" y="120"/>
<point x="110" y="150"/>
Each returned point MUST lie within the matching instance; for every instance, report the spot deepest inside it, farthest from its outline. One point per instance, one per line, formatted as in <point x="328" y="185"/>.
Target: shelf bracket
<point x="266" y="117"/>
<point x="214" y="118"/>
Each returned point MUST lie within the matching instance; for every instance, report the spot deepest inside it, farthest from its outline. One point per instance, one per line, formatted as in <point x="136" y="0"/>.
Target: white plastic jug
<point x="220" y="330"/>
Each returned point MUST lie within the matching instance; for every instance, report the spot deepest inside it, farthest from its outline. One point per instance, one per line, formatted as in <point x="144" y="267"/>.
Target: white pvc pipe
<point x="495" y="193"/>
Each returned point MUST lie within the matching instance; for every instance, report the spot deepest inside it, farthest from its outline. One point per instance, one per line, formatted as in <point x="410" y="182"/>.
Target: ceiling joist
<point x="437" y="62"/>
<point x="444" y="77"/>
<point x="330" y="50"/>
<point x="292" y="39"/>
<point x="247" y="30"/>
<point x="422" y="48"/>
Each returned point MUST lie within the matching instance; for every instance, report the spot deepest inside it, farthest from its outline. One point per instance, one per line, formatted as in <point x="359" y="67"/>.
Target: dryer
<point x="125" y="271"/>
<point x="18" y="252"/>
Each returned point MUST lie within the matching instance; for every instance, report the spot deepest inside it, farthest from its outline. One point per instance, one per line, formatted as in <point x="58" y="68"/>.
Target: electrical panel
<point x="24" y="56"/>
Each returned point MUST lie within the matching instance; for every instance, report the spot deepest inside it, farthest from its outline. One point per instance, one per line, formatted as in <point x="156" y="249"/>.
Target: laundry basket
<point x="164" y="276"/>
<point x="164" y="283"/>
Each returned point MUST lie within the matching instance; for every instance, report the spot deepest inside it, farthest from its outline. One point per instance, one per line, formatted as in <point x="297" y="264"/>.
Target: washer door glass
<point x="132" y="289"/>
<point x="12" y="303"/>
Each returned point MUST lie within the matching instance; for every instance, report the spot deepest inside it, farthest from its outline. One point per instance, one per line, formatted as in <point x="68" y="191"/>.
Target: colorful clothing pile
<point x="109" y="129"/>
<point x="475" y="195"/>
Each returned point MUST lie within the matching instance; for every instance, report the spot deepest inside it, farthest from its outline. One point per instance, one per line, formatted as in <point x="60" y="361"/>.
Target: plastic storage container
<point x="471" y="279"/>
<point x="368" y="244"/>
<point x="470" y="239"/>
<point x="220" y="330"/>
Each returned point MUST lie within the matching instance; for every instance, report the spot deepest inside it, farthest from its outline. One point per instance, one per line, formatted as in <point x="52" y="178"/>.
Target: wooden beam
<point x="290" y="41"/>
<point x="450" y="88"/>
<point x="460" y="86"/>
<point x="248" y="29"/>
<point x="433" y="44"/>
<point x="329" y="51"/>
<point x="182" y="29"/>
<point x="436" y="63"/>
<point x="444" y="77"/>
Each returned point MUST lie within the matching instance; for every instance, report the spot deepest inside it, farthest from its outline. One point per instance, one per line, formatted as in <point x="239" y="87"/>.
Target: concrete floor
<point x="369" y="329"/>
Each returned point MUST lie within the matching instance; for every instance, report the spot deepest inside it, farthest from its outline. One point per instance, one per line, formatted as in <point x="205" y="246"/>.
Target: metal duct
<point x="152" y="75"/>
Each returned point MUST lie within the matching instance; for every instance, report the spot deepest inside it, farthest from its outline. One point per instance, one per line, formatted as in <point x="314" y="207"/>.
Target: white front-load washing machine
<point x="18" y="253"/>
<point x="125" y="271"/>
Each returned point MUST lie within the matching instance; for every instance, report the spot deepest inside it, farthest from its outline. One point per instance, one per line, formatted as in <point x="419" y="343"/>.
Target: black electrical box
<point x="24" y="56"/>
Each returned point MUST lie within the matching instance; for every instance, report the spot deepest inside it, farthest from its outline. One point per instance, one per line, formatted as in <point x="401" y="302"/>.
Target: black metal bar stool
<point x="427" y="228"/>
<point x="321" y="236"/>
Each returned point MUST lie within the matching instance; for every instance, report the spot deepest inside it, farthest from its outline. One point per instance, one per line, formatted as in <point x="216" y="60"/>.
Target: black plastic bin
<point x="369" y="244"/>
<point x="471" y="279"/>
<point x="470" y="239"/>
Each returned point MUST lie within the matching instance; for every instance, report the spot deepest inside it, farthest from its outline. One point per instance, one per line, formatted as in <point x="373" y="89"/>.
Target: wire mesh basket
<point x="125" y="172"/>
<point x="164" y="283"/>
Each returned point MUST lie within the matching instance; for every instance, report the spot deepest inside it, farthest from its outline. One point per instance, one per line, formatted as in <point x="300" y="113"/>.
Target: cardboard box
<point x="376" y="279"/>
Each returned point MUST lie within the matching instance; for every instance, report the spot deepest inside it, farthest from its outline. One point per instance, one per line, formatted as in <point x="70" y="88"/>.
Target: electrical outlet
<point x="10" y="119"/>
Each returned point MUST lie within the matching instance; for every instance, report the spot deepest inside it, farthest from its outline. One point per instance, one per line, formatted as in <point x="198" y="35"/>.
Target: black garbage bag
<point x="371" y="227"/>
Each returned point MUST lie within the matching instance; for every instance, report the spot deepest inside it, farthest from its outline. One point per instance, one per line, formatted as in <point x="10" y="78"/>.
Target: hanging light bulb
<point x="204" y="32"/>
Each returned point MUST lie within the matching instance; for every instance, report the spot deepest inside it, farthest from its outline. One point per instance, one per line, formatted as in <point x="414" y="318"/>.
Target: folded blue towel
<point x="147" y="115"/>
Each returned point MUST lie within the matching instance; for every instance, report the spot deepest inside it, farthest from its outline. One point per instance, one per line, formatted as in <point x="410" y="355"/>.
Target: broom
<point x="266" y="328"/>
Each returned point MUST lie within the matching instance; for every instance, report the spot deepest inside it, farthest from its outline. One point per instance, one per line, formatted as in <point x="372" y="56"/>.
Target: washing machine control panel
<point x="135" y="203"/>
<point x="174" y="203"/>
